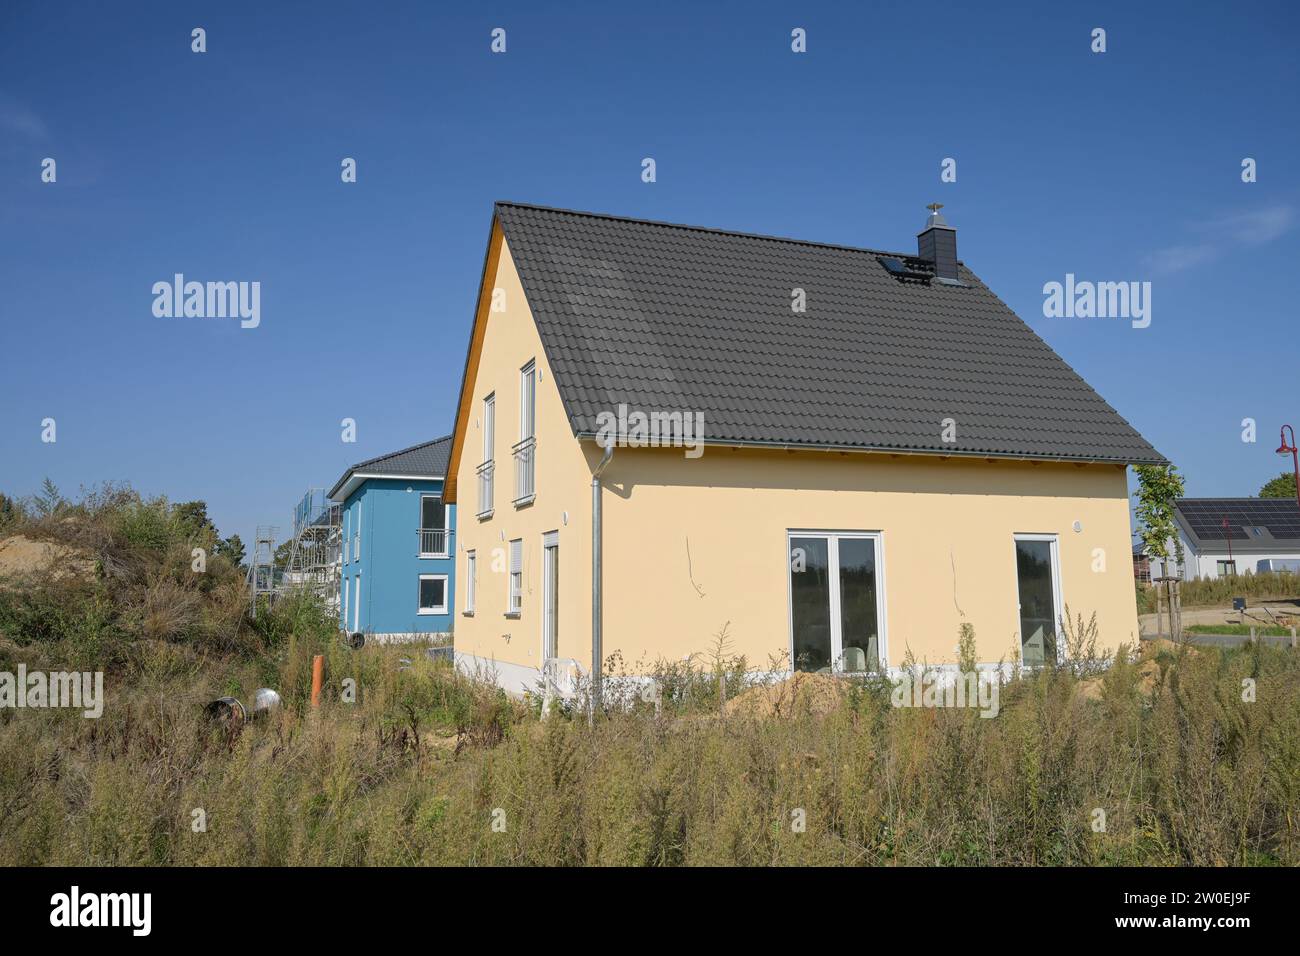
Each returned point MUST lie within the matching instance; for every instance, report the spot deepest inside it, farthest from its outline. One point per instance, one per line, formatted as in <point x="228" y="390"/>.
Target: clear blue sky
<point x="225" y="166"/>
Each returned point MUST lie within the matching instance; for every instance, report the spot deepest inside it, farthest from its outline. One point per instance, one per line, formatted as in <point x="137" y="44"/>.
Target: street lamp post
<point x="1290" y="448"/>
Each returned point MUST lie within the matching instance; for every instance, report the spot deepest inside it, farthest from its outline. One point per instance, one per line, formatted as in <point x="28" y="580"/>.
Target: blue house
<point x="398" y="556"/>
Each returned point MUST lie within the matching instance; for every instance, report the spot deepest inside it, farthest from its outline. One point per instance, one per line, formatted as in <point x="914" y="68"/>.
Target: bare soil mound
<point x="22" y="556"/>
<point x="1148" y="669"/>
<point x="800" y="694"/>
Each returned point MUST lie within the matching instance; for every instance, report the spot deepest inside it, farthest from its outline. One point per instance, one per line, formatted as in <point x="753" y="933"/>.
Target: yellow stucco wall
<point x="693" y="544"/>
<point x="947" y="545"/>
<point x="562" y="502"/>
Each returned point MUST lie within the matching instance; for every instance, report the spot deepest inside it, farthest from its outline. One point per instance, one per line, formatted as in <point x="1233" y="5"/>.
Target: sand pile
<point x="20" y="555"/>
<point x="1148" y="669"/>
<point x="803" y="693"/>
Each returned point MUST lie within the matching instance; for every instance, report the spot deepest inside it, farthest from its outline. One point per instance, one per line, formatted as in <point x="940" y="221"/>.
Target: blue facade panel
<point x="382" y="593"/>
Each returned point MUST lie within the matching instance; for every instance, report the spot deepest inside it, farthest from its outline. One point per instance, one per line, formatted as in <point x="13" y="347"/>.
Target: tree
<point x="193" y="516"/>
<point x="1283" y="486"/>
<point x="49" y="501"/>
<point x="8" y="510"/>
<point x="1158" y="487"/>
<point x="232" y="548"/>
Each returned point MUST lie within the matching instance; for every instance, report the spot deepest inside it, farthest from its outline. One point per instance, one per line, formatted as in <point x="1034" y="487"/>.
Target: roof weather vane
<point x="934" y="206"/>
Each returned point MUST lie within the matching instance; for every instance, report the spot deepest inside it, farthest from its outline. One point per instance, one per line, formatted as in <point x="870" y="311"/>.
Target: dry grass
<point x="1219" y="592"/>
<point x="423" y="765"/>
<point x="427" y="767"/>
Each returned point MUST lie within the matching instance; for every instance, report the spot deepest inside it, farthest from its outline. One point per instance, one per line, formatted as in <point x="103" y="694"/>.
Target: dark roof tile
<point x="665" y="317"/>
<point x="427" y="460"/>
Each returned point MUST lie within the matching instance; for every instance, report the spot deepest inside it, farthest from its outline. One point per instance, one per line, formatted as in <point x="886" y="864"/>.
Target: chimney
<point x="937" y="243"/>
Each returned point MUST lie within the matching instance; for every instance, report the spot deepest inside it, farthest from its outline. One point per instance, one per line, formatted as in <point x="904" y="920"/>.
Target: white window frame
<point x="528" y="401"/>
<point x="1058" y="597"/>
<point x="446" y="538"/>
<point x="515" y="588"/>
<point x="356" y="544"/>
<point x="524" y="451"/>
<point x="836" y="619"/>
<point x="471" y="584"/>
<point x="347" y="583"/>
<point x="347" y="536"/>
<point x="550" y="539"/>
<point x="356" y="604"/>
<point x="438" y="608"/>
<point x="489" y="427"/>
<point x="486" y="471"/>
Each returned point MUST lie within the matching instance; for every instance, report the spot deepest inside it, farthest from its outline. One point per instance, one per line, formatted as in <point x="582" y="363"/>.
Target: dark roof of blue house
<point x="681" y="318"/>
<point x="428" y="460"/>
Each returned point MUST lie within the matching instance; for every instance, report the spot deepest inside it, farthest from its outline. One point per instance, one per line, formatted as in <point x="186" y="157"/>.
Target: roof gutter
<point x="344" y="487"/>
<point x="597" y="652"/>
<point x="924" y="453"/>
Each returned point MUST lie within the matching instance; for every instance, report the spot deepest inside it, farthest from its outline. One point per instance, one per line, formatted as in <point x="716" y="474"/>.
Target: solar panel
<point x="901" y="271"/>
<point x="1249" y="519"/>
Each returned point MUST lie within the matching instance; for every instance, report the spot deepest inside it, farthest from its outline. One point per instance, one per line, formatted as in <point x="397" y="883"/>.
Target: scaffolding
<point x="261" y="566"/>
<point x="316" y="551"/>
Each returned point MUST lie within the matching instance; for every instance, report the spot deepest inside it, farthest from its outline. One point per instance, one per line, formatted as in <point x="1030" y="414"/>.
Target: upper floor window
<point x="489" y="425"/>
<point x="525" y="449"/>
<point x="356" y="536"/>
<point x="486" y="490"/>
<point x="433" y="526"/>
<point x="528" y="400"/>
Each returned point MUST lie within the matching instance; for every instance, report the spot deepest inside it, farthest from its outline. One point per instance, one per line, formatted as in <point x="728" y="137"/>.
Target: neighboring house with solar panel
<point x="1225" y="536"/>
<point x="834" y="455"/>
<point x="398" y="571"/>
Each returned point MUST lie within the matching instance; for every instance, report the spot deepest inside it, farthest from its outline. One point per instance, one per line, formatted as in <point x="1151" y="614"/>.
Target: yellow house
<point x="837" y="455"/>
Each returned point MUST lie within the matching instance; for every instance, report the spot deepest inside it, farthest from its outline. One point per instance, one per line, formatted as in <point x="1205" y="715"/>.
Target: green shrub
<point x="147" y="526"/>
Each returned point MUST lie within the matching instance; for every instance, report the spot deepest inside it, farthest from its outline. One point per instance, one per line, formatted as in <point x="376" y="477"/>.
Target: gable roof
<point x="1255" y="524"/>
<point x="428" y="460"/>
<point x="666" y="317"/>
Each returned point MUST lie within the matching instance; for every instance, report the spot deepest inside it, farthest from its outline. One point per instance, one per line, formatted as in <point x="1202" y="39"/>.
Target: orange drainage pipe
<point x="317" y="671"/>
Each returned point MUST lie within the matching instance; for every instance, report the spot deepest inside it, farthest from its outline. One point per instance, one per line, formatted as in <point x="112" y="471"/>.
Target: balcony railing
<point x="434" y="542"/>
<point x="525" y="470"/>
<point x="485" y="488"/>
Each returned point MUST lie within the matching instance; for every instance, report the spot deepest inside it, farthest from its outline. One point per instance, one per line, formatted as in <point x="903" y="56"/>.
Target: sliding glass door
<point x="835" y="601"/>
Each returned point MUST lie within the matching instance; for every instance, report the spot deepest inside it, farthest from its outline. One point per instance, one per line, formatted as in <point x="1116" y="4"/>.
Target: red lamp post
<point x="1291" y="449"/>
